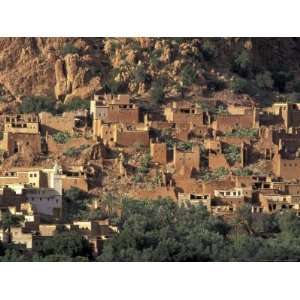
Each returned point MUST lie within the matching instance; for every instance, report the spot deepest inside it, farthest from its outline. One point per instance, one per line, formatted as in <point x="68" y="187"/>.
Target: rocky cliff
<point x="68" y="68"/>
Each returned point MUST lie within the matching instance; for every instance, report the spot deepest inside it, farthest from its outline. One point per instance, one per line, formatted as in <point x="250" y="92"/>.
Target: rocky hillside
<point x="69" y="68"/>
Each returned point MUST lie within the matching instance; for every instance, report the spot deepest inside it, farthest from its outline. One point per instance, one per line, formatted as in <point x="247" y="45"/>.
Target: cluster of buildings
<point x="221" y="158"/>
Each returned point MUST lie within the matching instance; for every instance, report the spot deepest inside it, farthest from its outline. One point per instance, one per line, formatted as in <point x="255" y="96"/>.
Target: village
<point x="206" y="152"/>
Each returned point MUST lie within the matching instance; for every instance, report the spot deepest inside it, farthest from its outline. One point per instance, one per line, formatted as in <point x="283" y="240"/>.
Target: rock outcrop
<point x="68" y="68"/>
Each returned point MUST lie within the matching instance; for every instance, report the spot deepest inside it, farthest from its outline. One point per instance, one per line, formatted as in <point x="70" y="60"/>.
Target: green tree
<point x="162" y="231"/>
<point x="37" y="104"/>
<point x="208" y="50"/>
<point x="76" y="104"/>
<point x="9" y="220"/>
<point x="69" y="48"/>
<point x="75" y="203"/>
<point x="61" y="137"/>
<point x="240" y="86"/>
<point x="157" y="92"/>
<point x="232" y="153"/>
<point x="70" y="244"/>
<point x="265" y="80"/>
<point x="111" y="204"/>
<point x="281" y="78"/>
<point x="242" y="64"/>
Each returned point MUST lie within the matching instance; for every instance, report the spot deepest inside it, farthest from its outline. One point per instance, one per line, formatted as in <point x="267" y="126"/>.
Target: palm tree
<point x="111" y="204"/>
<point x="8" y="220"/>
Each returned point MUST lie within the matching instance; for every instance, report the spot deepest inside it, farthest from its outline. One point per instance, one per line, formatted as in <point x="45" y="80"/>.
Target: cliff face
<point x="39" y="66"/>
<point x="68" y="68"/>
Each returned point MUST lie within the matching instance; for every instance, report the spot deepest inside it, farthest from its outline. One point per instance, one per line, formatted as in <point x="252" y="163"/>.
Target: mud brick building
<point x="67" y="122"/>
<point x="288" y="112"/>
<point x="286" y="159"/>
<point x="187" y="159"/>
<point x="229" y="122"/>
<point x="159" y="152"/>
<point x="21" y="134"/>
<point x="120" y="134"/>
<point x="195" y="199"/>
<point x="185" y="113"/>
<point x="115" y="109"/>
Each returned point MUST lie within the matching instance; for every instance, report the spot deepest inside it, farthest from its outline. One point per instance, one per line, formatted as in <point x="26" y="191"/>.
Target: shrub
<point x="71" y="244"/>
<point x="281" y="78"/>
<point x="61" y="137"/>
<point x="208" y="50"/>
<point x="242" y="64"/>
<point x="72" y="152"/>
<point x="264" y="80"/>
<point x="140" y="74"/>
<point x="243" y="132"/>
<point x="157" y="92"/>
<point x="296" y="86"/>
<point x="232" y="153"/>
<point x="240" y="85"/>
<point x="207" y="175"/>
<point x="184" y="146"/>
<point x="37" y="104"/>
<point x="243" y="172"/>
<point x="215" y="84"/>
<point x="76" y="104"/>
<point x="69" y="49"/>
<point x="188" y="76"/>
<point x="138" y="178"/>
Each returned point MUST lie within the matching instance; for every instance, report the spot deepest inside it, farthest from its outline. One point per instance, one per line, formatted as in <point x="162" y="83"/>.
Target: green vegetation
<point x="8" y="220"/>
<point x="188" y="75"/>
<point x="75" y="104"/>
<point x="240" y="86"/>
<point x="242" y="64"/>
<point x="184" y="146"/>
<point x="36" y="104"/>
<point x="70" y="244"/>
<point x="208" y="50"/>
<point x="166" y="136"/>
<point x="157" y="92"/>
<point x="296" y="86"/>
<point x="243" y="132"/>
<point x="242" y="172"/>
<point x="214" y="84"/>
<point x="207" y="175"/>
<point x="140" y="74"/>
<point x="61" y="137"/>
<point x="143" y="169"/>
<point x="69" y="49"/>
<point x="232" y="153"/>
<point x="74" y="152"/>
<point x="214" y="110"/>
<point x="264" y="80"/>
<point x="163" y="231"/>
<point x="76" y="206"/>
<point x="281" y="78"/>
